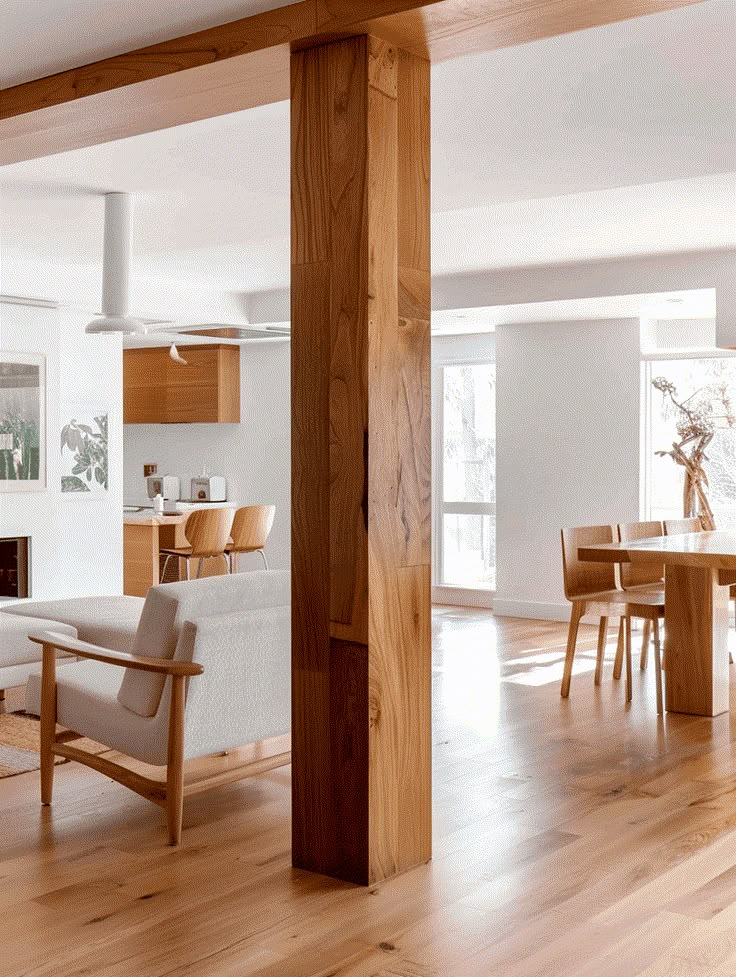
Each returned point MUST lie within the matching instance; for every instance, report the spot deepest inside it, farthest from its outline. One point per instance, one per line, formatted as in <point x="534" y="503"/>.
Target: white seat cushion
<point x="110" y="622"/>
<point x="15" y="646"/>
<point x="87" y="702"/>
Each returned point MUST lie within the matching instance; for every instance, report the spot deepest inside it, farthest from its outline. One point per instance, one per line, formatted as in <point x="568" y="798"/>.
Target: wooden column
<point x="361" y="460"/>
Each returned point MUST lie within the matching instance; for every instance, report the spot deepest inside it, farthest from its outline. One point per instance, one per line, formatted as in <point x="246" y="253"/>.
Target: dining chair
<point x="592" y="589"/>
<point x="676" y="527"/>
<point x="648" y="577"/>
<point x="249" y="532"/>
<point x="208" y="532"/>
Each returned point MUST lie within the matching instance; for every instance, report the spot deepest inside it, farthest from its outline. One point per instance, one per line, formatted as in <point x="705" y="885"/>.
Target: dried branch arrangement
<point x="696" y="420"/>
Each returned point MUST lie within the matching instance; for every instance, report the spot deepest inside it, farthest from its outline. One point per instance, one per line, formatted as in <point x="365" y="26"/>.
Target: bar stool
<point x="208" y="531"/>
<point x="249" y="532"/>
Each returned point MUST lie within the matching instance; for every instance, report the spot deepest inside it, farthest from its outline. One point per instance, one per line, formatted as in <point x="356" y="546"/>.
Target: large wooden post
<point x="361" y="519"/>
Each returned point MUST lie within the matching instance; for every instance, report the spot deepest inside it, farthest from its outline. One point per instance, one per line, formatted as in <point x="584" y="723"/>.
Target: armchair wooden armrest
<point x="82" y="649"/>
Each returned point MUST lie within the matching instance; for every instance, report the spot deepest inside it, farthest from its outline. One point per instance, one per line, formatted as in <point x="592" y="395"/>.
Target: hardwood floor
<point x="575" y="838"/>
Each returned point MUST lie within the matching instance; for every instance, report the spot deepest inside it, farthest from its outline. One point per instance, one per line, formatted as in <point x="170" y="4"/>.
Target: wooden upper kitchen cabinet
<point x="159" y="391"/>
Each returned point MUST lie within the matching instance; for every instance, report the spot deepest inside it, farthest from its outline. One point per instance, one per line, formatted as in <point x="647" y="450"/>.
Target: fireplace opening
<point x="14" y="567"/>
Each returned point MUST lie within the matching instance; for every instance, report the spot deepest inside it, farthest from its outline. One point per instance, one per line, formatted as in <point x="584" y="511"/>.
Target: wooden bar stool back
<point x="592" y="589"/>
<point x="208" y="532"/>
<point x="250" y="530"/>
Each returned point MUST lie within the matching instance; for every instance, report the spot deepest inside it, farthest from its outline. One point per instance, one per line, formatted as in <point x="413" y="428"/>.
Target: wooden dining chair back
<point x="640" y="574"/>
<point x="676" y="527"/>
<point x="208" y="531"/>
<point x="581" y="578"/>
<point x="250" y="529"/>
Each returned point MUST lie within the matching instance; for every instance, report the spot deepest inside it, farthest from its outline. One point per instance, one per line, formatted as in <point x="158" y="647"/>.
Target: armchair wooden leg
<point x="175" y="760"/>
<point x="578" y="609"/>
<point x="602" y="632"/>
<point x="619" y="661"/>
<point x="265" y="561"/>
<point x="628" y="658"/>
<point x="48" y="722"/>
<point x="645" y="645"/>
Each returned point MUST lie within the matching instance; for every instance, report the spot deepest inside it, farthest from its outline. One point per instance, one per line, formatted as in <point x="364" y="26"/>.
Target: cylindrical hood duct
<point x="116" y="269"/>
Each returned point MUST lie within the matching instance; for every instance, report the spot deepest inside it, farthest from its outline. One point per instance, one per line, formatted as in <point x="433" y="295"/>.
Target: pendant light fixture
<point x="176" y="356"/>
<point x="116" y="270"/>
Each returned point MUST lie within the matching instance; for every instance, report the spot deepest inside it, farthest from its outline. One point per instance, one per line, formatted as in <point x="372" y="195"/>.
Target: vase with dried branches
<point x="696" y="419"/>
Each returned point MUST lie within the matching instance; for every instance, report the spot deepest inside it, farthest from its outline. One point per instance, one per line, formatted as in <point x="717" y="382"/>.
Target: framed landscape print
<point x="22" y="422"/>
<point x="84" y="452"/>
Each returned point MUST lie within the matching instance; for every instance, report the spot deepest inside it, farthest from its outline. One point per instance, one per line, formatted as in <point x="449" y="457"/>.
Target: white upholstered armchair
<point x="209" y="672"/>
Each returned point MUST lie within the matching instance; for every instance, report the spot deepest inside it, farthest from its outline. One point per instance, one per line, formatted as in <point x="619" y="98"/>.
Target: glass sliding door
<point x="466" y="507"/>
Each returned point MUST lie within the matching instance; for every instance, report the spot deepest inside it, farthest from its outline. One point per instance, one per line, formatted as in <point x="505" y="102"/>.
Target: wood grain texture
<point x="639" y="575"/>
<point x="140" y="558"/>
<point x="361" y="462"/>
<point x="156" y="390"/>
<point x="574" y="839"/>
<point x="696" y="641"/>
<point x="710" y="550"/>
<point x="455" y="28"/>
<point x="246" y="63"/>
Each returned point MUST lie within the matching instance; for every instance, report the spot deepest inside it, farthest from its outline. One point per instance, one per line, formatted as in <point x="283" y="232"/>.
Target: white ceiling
<point x="611" y="141"/>
<point x="40" y="37"/>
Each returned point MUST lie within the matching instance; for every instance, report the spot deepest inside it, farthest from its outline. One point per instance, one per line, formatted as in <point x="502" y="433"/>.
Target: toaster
<point x="167" y="486"/>
<point x="209" y="488"/>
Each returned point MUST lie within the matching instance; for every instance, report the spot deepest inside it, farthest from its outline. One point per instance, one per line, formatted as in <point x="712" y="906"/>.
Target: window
<point x="466" y="507"/>
<point x="664" y="478"/>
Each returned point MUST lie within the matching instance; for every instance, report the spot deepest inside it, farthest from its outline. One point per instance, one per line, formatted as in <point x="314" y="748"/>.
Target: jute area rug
<point x="20" y="744"/>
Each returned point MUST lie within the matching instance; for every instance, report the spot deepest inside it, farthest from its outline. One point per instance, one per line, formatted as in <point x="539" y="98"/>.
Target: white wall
<point x="568" y="419"/>
<point x="76" y="539"/>
<point x="254" y="456"/>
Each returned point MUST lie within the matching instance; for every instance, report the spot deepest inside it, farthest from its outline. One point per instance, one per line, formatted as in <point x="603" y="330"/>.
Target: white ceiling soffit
<point x="690" y="305"/>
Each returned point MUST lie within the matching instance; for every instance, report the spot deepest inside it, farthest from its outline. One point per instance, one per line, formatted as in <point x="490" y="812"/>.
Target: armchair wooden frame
<point x="168" y="794"/>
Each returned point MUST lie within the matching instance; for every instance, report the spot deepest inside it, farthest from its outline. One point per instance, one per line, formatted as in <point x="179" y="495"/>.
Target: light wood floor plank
<point x="571" y="838"/>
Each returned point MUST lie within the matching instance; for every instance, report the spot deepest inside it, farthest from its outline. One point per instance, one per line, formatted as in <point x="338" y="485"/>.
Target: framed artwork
<point x="22" y="422"/>
<point x="84" y="453"/>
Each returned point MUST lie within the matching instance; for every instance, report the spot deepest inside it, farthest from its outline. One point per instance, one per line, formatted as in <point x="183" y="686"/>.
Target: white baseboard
<point x="537" y="611"/>
<point x="462" y="597"/>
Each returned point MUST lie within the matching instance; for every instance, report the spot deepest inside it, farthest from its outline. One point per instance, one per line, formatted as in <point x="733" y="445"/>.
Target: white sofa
<point x="227" y="637"/>
<point x="19" y="657"/>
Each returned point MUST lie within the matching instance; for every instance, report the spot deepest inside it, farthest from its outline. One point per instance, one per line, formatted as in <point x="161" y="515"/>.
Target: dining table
<point x="699" y="570"/>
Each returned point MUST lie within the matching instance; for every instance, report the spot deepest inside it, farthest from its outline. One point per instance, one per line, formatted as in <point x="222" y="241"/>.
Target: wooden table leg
<point x="696" y="641"/>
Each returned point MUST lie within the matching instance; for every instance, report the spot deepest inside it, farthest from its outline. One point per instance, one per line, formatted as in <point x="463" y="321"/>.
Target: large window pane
<point x="469" y="551"/>
<point x="470" y="433"/>
<point x="467" y="503"/>
<point x="667" y="478"/>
